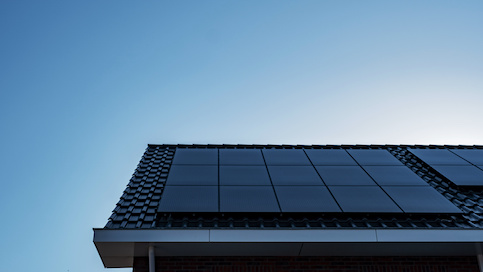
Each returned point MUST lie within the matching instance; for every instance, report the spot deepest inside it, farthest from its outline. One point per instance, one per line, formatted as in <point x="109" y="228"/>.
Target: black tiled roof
<point x="138" y="205"/>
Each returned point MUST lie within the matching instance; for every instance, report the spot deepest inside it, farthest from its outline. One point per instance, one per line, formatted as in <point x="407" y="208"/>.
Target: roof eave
<point x="118" y="247"/>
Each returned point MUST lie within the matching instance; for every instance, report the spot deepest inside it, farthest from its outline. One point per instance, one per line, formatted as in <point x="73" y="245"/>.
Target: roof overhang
<point x="118" y="247"/>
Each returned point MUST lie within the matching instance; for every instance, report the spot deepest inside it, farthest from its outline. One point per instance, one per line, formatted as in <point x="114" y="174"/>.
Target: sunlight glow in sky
<point x="86" y="85"/>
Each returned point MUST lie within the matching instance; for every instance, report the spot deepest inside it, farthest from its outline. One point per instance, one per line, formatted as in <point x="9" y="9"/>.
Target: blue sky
<point x="86" y="85"/>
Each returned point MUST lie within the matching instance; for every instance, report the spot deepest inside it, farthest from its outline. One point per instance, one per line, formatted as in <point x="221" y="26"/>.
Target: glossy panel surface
<point x="373" y="157"/>
<point x="420" y="199"/>
<point x="189" y="199"/>
<point x="329" y="157"/>
<point x="363" y="199"/>
<point x="294" y="175"/>
<point x="473" y="156"/>
<point x="248" y="199"/>
<point x="344" y="175"/>
<point x="241" y="157"/>
<point x="285" y="157"/>
<point x="438" y="156"/>
<point x="394" y="175"/>
<point x="244" y="175"/>
<point x="461" y="175"/>
<point x="195" y="156"/>
<point x="306" y="199"/>
<point x="193" y="175"/>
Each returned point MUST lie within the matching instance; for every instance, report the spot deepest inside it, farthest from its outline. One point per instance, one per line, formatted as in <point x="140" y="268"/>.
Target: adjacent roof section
<point x="321" y="187"/>
<point x="463" y="167"/>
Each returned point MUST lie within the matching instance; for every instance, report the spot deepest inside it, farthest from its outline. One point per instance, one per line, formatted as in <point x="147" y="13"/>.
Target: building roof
<point x="144" y="215"/>
<point x="138" y="206"/>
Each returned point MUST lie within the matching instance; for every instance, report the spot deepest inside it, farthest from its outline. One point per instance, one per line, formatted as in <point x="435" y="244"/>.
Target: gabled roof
<point x="139" y="203"/>
<point x="142" y="217"/>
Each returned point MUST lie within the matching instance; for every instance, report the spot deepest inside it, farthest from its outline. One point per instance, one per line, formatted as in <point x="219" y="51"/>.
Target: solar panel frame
<point x="248" y="199"/>
<point x="474" y="156"/>
<point x="193" y="175"/>
<point x="294" y="175"/>
<point x="344" y="175"/>
<point x="363" y="199"/>
<point x="241" y="157"/>
<point x="287" y="181"/>
<point x="285" y="157"/>
<point x="330" y="157"/>
<point x="244" y="175"/>
<point x="189" y="199"/>
<point x="420" y="199"/>
<point x="461" y="175"/>
<point x="438" y="157"/>
<point x="373" y="157"/>
<point x="306" y="199"/>
<point x="394" y="175"/>
<point x="195" y="156"/>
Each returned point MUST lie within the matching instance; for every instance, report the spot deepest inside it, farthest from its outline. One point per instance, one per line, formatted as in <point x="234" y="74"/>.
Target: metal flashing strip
<point x="292" y="236"/>
<point x="151" y="236"/>
<point x="439" y="235"/>
<point x="287" y="236"/>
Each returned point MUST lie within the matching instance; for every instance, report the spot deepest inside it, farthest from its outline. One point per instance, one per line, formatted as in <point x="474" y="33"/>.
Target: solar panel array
<point x="463" y="167"/>
<point x="296" y="180"/>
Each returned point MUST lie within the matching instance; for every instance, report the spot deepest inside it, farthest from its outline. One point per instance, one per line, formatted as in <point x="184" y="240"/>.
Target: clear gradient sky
<point x="86" y="85"/>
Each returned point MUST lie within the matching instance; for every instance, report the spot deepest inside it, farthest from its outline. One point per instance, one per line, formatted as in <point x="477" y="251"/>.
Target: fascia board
<point x="154" y="236"/>
<point x="421" y="236"/>
<point x="291" y="236"/>
<point x="117" y="248"/>
<point x="287" y="236"/>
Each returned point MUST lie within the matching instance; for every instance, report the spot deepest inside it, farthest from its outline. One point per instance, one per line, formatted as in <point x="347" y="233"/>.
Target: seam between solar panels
<point x="463" y="158"/>
<point x="328" y="189"/>
<point x="270" y="177"/>
<point x="375" y="180"/>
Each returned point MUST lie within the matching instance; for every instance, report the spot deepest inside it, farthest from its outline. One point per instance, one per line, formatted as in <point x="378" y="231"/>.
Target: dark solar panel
<point x="285" y="157"/>
<point x="248" y="199"/>
<point x="294" y="175"/>
<point x="373" y="157"/>
<point x="193" y="175"/>
<point x="420" y="199"/>
<point x="473" y="156"/>
<point x="394" y="175"/>
<point x="244" y="175"/>
<point x="461" y="175"/>
<point x="363" y="199"/>
<point x="189" y="199"/>
<point x="306" y="199"/>
<point x="245" y="185"/>
<point x="438" y="156"/>
<point x="195" y="156"/>
<point x="330" y="157"/>
<point x="344" y="175"/>
<point x="241" y="157"/>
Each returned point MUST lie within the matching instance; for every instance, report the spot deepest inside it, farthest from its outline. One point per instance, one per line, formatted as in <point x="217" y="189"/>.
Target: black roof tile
<point x="137" y="207"/>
